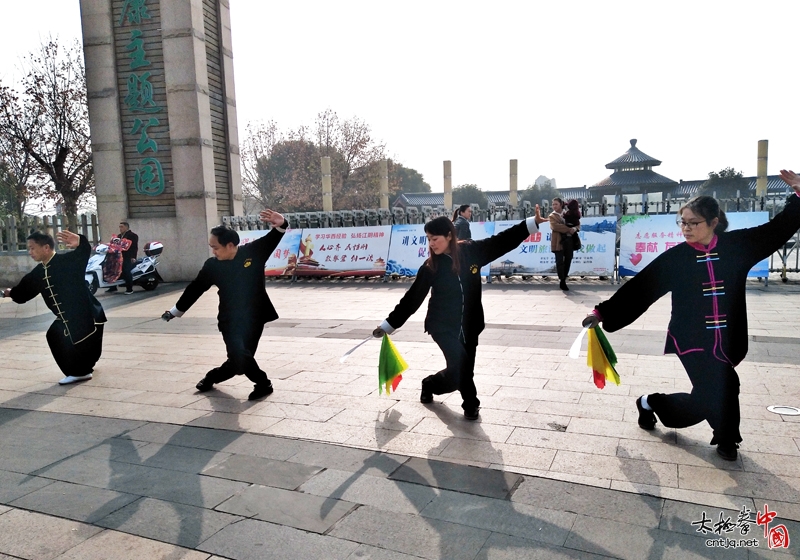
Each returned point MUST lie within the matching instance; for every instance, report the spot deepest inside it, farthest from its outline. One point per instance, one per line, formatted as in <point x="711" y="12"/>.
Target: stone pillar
<point x="327" y="193"/>
<point x="761" y="168"/>
<point x="448" y="186"/>
<point x="162" y="113"/>
<point x="512" y="184"/>
<point x="384" y="172"/>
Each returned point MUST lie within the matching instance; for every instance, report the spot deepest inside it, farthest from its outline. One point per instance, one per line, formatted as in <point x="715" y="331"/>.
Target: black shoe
<point x="727" y="451"/>
<point x="111" y="290"/>
<point x="647" y="419"/>
<point x="425" y="397"/>
<point x="563" y="285"/>
<point x="204" y="385"/>
<point x="471" y="413"/>
<point x="260" y="391"/>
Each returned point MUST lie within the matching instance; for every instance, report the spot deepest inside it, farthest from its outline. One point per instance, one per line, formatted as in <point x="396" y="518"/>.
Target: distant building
<point x="632" y="175"/>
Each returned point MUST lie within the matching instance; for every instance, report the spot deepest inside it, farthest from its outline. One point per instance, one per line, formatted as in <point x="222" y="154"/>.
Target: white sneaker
<point x="74" y="379"/>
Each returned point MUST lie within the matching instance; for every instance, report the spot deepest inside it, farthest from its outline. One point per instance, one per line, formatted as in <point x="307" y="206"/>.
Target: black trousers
<point x="460" y="371"/>
<point x="74" y="359"/>
<point x="563" y="262"/>
<point x="714" y="398"/>
<point x="241" y="343"/>
<point x="127" y="277"/>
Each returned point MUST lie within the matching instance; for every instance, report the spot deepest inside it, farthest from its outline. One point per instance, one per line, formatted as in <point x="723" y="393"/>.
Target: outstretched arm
<point x="487" y="250"/>
<point x="409" y="303"/>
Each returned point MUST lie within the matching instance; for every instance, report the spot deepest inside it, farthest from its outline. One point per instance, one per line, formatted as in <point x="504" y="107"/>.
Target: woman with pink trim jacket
<point x="708" y="327"/>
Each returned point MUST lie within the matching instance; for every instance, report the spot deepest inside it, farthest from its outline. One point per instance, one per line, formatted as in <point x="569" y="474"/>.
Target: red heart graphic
<point x="636" y="258"/>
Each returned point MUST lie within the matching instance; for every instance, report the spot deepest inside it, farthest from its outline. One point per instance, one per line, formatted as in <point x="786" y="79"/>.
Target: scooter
<point x="103" y="272"/>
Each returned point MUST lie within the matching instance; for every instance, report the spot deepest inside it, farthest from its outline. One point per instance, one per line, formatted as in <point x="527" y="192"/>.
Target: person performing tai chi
<point x="455" y="314"/>
<point x="708" y="327"/>
<point x="76" y="336"/>
<point x="244" y="306"/>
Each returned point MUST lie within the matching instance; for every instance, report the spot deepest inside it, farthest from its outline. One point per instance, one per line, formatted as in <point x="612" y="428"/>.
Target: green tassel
<point x="609" y="352"/>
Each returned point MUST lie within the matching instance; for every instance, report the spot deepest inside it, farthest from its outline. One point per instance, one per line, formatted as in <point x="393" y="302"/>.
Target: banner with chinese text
<point x="356" y="251"/>
<point x="643" y="238"/>
<point x="409" y="247"/>
<point x="533" y="256"/>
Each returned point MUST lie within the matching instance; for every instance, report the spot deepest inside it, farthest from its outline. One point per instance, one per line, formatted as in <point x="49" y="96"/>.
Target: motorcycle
<point x="104" y="267"/>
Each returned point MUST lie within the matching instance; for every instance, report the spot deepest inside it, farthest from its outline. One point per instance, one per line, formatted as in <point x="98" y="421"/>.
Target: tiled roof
<point x="634" y="178"/>
<point x="634" y="157"/>
<point x="775" y="185"/>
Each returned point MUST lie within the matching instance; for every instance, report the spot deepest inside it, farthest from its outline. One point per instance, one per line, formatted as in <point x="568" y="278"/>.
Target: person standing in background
<point x="461" y="218"/>
<point x="128" y="257"/>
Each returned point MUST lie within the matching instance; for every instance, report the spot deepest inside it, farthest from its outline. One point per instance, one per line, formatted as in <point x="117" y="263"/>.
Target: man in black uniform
<point x="244" y="307"/>
<point x="128" y="257"/>
<point x="76" y="336"/>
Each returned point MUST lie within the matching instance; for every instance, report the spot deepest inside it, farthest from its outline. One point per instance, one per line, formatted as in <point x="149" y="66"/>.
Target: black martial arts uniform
<point x="455" y="313"/>
<point x="708" y="327"/>
<point x="76" y="336"/>
<point x="244" y="306"/>
<point x="129" y="259"/>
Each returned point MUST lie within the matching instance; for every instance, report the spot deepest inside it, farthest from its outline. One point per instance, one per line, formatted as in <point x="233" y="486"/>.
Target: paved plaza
<point x="136" y="464"/>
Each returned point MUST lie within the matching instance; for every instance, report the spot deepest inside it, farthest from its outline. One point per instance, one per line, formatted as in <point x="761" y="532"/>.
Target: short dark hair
<point x="42" y="239"/>
<point x="126" y="224"/>
<point x="225" y="235"/>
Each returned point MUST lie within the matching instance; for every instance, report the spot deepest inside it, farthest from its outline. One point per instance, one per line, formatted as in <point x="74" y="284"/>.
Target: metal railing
<point x="13" y="232"/>
<point x="785" y="260"/>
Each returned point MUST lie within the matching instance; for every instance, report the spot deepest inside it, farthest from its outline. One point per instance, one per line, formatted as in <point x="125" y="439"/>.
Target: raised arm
<point x="488" y="250"/>
<point x="263" y="246"/>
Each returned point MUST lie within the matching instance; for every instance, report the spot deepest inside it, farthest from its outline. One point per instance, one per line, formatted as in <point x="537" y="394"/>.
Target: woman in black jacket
<point x="455" y="313"/>
<point x="708" y="327"/>
<point x="461" y="218"/>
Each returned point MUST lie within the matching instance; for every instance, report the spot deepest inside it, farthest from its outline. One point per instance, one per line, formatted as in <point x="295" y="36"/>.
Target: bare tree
<point x="49" y="121"/>
<point x="16" y="169"/>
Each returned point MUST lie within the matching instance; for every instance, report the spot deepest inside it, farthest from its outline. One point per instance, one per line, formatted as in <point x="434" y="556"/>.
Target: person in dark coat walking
<point x="128" y="257"/>
<point x="244" y="306"/>
<point x="461" y="217"/>
<point x="455" y="314"/>
<point x="76" y="336"/>
<point x="708" y="328"/>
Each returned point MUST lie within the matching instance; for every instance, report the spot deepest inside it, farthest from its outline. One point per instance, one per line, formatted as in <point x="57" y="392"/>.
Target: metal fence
<point x="13" y="232"/>
<point x="785" y="260"/>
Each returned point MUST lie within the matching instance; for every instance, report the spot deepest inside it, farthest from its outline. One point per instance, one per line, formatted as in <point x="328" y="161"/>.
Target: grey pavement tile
<point x="367" y="552"/>
<point x="74" y="501"/>
<point x="53" y="535"/>
<point x="15" y="485"/>
<point x="177" y="524"/>
<point x="285" y="507"/>
<point x="763" y="486"/>
<point x="588" y="500"/>
<point x="173" y="457"/>
<point x="461" y="478"/>
<point x="258" y="540"/>
<point x="411" y="534"/>
<point x="202" y="438"/>
<point x="503" y="547"/>
<point x="140" y="480"/>
<point x="268" y="447"/>
<point x="502" y="516"/>
<point x="634" y="542"/>
<point x="569" y="441"/>
<point x="372" y="463"/>
<point x="377" y="492"/>
<point x="128" y="547"/>
<point x="257" y="470"/>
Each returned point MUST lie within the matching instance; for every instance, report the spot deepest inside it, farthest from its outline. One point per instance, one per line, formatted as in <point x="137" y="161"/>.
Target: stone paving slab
<point x="293" y="509"/>
<point x="141" y="424"/>
<point x="461" y="478"/>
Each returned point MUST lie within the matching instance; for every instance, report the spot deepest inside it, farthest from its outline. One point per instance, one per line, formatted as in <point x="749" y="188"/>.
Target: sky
<point x="561" y="87"/>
